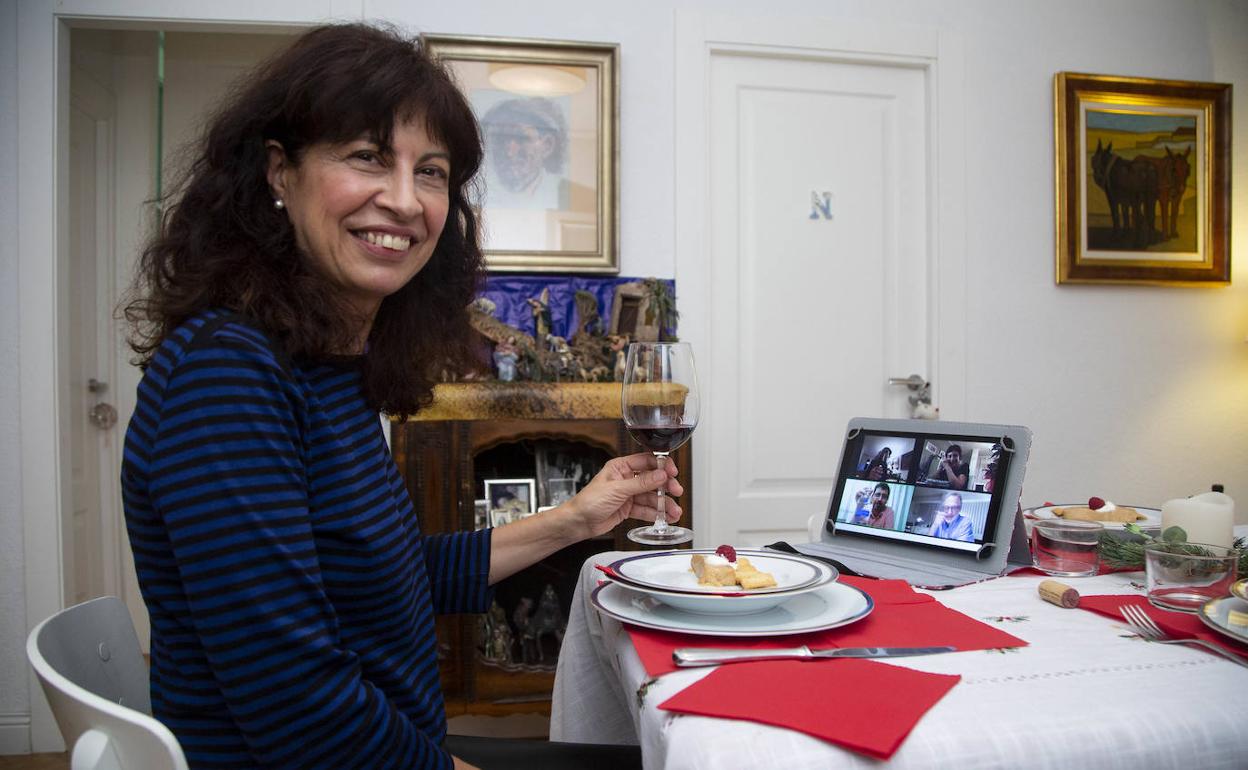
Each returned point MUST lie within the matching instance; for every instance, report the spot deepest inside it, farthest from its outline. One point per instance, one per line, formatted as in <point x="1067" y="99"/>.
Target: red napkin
<point x="887" y="700"/>
<point x="887" y="591"/>
<point x="1179" y="625"/>
<point x="902" y="618"/>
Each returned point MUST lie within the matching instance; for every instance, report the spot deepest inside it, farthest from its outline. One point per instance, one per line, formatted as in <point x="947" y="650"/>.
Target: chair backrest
<point x="92" y="670"/>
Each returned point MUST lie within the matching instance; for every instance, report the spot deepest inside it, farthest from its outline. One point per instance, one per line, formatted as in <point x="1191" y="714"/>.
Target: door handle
<point x="920" y="397"/>
<point x="913" y="382"/>
<point x="102" y="416"/>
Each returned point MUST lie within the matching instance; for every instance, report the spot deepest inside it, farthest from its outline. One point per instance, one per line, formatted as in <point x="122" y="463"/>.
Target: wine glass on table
<point x="660" y="406"/>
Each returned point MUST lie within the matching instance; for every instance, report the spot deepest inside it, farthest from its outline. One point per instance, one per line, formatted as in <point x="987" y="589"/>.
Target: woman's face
<point x="368" y="218"/>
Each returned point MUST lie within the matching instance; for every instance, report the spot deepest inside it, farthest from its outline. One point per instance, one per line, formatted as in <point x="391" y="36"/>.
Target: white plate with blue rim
<point x="1227" y="615"/>
<point x="1151" y="520"/>
<point x="671" y="571"/>
<point x="829" y="606"/>
<point x="738" y="603"/>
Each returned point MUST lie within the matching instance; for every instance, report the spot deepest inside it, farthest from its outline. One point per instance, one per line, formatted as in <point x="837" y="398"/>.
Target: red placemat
<point x="902" y="618"/>
<point x="887" y="701"/>
<point x="1179" y="625"/>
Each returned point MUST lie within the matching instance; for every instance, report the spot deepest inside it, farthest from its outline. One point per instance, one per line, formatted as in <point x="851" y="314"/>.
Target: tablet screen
<point x="929" y="489"/>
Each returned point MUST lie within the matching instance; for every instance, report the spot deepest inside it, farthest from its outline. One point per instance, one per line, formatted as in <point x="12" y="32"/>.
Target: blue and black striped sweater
<point x="291" y="593"/>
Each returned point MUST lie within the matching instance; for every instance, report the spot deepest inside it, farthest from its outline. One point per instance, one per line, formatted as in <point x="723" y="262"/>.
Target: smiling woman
<point x="365" y="128"/>
<point x="315" y="266"/>
<point x="368" y="216"/>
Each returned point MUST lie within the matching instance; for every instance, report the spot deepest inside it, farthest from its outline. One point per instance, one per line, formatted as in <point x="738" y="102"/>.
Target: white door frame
<point x="700" y="36"/>
<point x="42" y="238"/>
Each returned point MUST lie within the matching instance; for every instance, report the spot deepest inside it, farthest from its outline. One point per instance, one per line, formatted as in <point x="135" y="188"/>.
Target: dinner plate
<point x="741" y="603"/>
<point x="1151" y="520"/>
<point x="1215" y="614"/>
<point x="829" y="606"/>
<point x="670" y="571"/>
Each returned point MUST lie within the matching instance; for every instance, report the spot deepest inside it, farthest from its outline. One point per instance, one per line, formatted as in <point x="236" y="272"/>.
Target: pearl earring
<point x="279" y="204"/>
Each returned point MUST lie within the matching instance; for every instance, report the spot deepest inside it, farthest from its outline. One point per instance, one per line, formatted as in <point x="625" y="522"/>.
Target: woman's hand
<point x="625" y="488"/>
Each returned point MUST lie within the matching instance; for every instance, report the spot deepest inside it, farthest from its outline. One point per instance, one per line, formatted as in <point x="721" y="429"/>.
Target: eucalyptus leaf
<point x="1174" y="535"/>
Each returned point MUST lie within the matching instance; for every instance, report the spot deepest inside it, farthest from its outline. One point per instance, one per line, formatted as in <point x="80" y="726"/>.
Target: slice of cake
<point x="1098" y="510"/>
<point x="751" y="577"/>
<point x="713" y="570"/>
<point x="724" y="568"/>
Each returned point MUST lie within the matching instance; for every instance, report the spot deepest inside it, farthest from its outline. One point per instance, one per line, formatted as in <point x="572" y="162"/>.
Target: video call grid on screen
<point x="931" y="490"/>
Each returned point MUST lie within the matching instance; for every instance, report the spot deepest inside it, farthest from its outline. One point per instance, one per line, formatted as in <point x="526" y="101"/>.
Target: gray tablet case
<point x="927" y="566"/>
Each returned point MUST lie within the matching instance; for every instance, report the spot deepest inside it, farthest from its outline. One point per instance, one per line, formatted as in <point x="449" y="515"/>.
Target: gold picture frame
<point x="1143" y="180"/>
<point x="549" y="121"/>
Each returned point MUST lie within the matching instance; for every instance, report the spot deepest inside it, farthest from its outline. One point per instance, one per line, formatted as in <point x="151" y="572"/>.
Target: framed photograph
<point x="548" y="115"/>
<point x="481" y="514"/>
<point x="1143" y="180"/>
<point x="510" y="499"/>
<point x="559" y="491"/>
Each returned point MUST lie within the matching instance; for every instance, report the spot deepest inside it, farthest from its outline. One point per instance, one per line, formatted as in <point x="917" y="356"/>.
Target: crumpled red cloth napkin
<point x="887" y="701"/>
<point x="1179" y="625"/>
<point x="902" y="618"/>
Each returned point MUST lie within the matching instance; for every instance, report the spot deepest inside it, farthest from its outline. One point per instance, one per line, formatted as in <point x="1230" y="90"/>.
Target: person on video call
<point x="880" y="515"/>
<point x="951" y="524"/>
<point x="876" y="468"/>
<point x="952" y="469"/>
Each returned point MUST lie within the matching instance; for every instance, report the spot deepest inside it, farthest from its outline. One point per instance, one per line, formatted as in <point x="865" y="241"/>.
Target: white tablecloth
<point x="1085" y="693"/>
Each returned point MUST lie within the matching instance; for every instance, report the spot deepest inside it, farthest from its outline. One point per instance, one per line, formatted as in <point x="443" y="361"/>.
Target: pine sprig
<point x="1120" y="553"/>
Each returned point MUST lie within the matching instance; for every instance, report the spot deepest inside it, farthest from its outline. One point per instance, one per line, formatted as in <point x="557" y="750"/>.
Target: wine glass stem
<point x="660" y="521"/>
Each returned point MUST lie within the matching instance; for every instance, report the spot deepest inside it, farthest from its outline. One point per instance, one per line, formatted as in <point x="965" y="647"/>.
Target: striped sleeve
<point x="227" y="479"/>
<point x="458" y="564"/>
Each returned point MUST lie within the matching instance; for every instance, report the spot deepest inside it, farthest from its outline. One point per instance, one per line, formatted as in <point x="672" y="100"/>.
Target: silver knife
<point x="713" y="656"/>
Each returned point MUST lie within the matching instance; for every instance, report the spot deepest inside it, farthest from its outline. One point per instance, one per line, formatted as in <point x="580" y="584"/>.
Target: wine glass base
<point x="670" y="536"/>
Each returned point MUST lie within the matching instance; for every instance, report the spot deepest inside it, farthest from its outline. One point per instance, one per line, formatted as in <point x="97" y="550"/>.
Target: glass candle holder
<point x="1183" y="576"/>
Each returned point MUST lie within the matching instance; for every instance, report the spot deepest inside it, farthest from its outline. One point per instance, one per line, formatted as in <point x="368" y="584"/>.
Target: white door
<point x="92" y="533"/>
<point x="820" y="275"/>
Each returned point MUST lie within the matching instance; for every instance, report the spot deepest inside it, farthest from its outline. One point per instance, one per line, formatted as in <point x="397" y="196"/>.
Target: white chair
<point x="92" y="670"/>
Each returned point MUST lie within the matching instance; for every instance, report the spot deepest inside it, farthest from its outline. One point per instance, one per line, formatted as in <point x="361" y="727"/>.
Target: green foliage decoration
<point x="1126" y="553"/>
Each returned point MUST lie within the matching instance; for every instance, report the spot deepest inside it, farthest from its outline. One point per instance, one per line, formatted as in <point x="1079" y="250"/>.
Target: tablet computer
<point x="934" y="503"/>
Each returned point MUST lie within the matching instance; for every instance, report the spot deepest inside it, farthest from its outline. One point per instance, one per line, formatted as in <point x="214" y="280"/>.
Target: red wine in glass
<point x="660" y="408"/>
<point x="660" y="439"/>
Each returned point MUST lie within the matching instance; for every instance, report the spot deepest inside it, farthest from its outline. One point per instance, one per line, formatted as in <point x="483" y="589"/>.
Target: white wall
<point x="1136" y="394"/>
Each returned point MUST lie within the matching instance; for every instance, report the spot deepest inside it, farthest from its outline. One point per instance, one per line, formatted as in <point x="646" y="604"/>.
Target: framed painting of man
<point x="1143" y="180"/>
<point x="548" y="116"/>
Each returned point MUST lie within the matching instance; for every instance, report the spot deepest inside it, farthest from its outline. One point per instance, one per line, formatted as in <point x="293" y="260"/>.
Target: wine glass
<point x="660" y="405"/>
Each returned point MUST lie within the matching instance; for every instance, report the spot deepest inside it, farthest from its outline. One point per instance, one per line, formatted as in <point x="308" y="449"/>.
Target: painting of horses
<point x="1143" y="197"/>
<point x="1143" y="180"/>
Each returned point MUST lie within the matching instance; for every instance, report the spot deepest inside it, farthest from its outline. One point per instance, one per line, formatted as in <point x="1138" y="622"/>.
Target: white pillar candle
<point x="1207" y="518"/>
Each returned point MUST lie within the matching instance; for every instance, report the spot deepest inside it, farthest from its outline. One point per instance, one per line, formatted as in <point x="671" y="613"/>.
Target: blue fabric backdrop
<point x="510" y="292"/>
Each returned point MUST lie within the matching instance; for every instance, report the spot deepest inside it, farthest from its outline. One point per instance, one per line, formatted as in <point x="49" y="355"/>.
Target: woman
<point x="952" y="470"/>
<point x="876" y="468"/>
<point x="315" y="268"/>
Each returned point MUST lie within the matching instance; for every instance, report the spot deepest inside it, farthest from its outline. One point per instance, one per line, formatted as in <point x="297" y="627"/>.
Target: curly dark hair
<point x="222" y="244"/>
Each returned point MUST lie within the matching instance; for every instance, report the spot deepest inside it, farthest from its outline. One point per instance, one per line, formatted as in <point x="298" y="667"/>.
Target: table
<point x="1084" y="693"/>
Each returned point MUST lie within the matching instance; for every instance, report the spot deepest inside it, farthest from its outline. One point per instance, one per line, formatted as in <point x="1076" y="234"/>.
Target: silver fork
<point x="1149" y="631"/>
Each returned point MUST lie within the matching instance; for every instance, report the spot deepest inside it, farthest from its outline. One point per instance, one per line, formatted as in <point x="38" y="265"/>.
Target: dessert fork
<point x="1149" y="631"/>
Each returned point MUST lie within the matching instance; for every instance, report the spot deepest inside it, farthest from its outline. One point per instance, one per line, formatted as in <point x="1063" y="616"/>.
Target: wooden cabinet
<point x="471" y="431"/>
